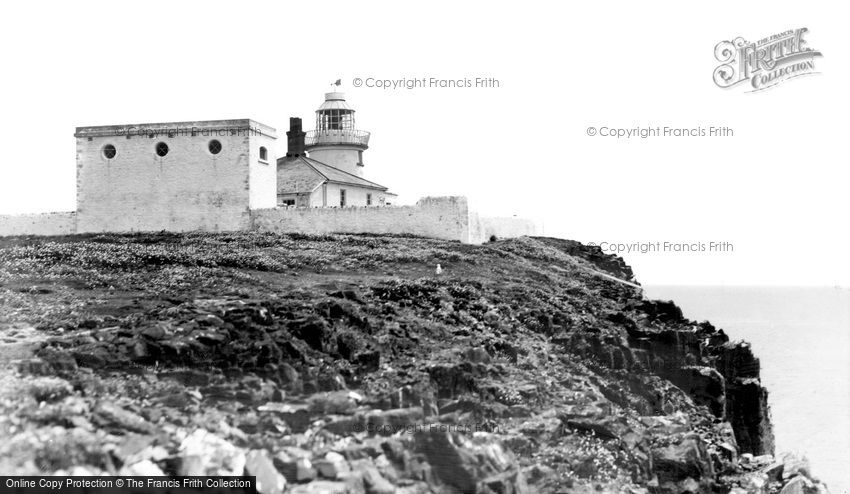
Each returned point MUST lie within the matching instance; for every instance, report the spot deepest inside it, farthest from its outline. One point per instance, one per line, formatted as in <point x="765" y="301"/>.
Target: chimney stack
<point x="295" y="138"/>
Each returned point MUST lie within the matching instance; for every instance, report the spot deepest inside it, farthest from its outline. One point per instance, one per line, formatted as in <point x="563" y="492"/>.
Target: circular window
<point x="109" y="151"/>
<point x="161" y="149"/>
<point x="214" y="146"/>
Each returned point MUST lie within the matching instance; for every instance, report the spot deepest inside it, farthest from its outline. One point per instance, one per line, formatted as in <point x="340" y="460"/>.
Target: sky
<point x="776" y="191"/>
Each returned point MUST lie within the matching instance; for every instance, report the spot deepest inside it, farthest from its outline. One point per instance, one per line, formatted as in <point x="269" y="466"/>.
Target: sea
<point x="802" y="337"/>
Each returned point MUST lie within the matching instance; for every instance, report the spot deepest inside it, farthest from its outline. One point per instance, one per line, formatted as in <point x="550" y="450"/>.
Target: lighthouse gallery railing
<point x="337" y="136"/>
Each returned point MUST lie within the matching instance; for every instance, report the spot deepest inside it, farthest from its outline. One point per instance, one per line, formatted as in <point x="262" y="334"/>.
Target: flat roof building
<point x="176" y="176"/>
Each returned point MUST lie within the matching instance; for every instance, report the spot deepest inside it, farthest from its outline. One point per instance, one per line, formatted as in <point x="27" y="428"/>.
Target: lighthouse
<point x="336" y="140"/>
<point x="324" y="167"/>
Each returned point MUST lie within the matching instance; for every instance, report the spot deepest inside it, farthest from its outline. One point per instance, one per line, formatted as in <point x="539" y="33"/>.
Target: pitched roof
<point x="296" y="177"/>
<point x="326" y="172"/>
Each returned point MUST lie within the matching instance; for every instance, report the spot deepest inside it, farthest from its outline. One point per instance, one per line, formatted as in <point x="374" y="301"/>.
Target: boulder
<point x="144" y="468"/>
<point x="332" y="466"/>
<point x="728" y="452"/>
<point x="338" y="402"/>
<point x="296" y="467"/>
<point x="727" y="433"/>
<point x="461" y="462"/>
<point x="793" y="465"/>
<point x="689" y="485"/>
<point x="774" y="471"/>
<point x="510" y="482"/>
<point x="297" y="415"/>
<point x="373" y="481"/>
<point x="688" y="458"/>
<point x="606" y="427"/>
<point x="799" y="485"/>
<point x="259" y="464"/>
<point x="203" y="453"/>
<point x="112" y="416"/>
<point x="757" y="484"/>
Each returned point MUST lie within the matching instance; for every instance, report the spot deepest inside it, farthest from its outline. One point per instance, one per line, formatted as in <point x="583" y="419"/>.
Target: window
<point x="368" y="199"/>
<point x="214" y="146"/>
<point x="264" y="155"/>
<point x="288" y="202"/>
<point x="161" y="149"/>
<point x="109" y="151"/>
<point x="342" y="198"/>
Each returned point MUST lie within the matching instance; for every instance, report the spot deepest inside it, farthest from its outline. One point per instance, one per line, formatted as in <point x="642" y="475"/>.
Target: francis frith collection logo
<point x="765" y="63"/>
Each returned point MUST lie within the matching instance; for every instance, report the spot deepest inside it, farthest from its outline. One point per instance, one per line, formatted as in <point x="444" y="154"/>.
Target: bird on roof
<point x="439" y="270"/>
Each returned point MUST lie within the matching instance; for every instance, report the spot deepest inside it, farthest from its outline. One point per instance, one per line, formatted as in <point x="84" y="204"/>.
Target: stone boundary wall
<point x="46" y="224"/>
<point x="447" y="218"/>
<point x="437" y="217"/>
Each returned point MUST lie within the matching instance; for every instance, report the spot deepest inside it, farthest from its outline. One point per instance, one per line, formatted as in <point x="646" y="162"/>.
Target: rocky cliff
<point x="345" y="363"/>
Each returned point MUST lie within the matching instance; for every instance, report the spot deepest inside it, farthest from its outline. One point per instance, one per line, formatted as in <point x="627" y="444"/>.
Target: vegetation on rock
<point x="343" y="363"/>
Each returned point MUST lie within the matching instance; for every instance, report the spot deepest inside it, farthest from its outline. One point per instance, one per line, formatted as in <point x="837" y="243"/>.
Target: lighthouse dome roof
<point x="335" y="101"/>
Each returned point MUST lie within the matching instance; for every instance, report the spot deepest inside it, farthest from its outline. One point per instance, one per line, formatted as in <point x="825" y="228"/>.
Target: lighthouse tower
<point x="336" y="141"/>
